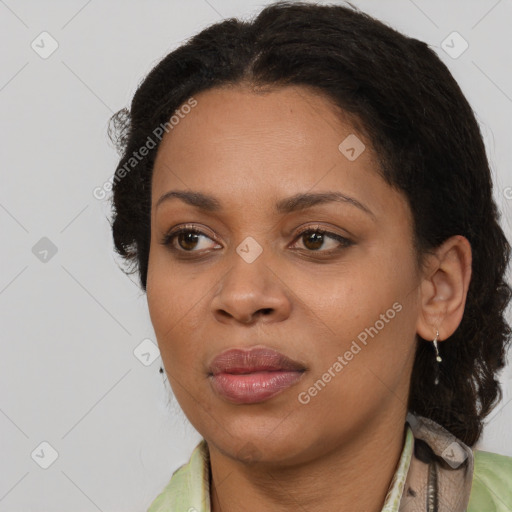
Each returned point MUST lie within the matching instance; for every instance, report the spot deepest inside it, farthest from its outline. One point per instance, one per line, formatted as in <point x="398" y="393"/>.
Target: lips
<point x="249" y="377"/>
<point x="238" y="361"/>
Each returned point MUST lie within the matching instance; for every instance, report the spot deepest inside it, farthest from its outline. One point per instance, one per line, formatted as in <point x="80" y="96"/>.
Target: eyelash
<point x="168" y="239"/>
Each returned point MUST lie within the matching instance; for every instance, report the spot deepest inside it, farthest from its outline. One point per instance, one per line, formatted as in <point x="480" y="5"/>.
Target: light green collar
<point x="189" y="490"/>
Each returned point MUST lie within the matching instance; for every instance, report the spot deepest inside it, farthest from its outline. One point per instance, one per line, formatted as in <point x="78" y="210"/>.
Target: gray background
<point x="72" y="374"/>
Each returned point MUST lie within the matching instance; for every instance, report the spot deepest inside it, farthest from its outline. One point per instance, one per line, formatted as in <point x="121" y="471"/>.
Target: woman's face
<point x="344" y="305"/>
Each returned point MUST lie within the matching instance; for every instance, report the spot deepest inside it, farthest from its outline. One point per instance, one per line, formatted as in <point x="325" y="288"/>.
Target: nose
<point x="250" y="292"/>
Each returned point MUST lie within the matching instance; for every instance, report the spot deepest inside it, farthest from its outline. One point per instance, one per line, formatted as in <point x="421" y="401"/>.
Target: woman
<point x="308" y="203"/>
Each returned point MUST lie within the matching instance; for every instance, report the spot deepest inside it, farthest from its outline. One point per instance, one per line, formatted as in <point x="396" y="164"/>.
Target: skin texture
<point x="250" y="149"/>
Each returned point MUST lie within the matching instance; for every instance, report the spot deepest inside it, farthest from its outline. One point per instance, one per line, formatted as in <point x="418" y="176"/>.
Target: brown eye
<point x="186" y="239"/>
<point x="315" y="239"/>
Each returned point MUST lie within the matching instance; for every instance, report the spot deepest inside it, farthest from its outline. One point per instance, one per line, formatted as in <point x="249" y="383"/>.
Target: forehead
<point x="264" y="144"/>
<point x="292" y="118"/>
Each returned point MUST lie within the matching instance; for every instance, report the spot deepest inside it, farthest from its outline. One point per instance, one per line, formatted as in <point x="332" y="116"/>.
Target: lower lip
<point x="253" y="387"/>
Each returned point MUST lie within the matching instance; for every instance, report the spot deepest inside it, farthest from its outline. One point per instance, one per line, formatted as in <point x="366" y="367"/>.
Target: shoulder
<point x="491" y="488"/>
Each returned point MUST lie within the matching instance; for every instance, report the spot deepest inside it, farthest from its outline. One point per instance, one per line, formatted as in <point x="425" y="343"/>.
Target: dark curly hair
<point x="398" y="94"/>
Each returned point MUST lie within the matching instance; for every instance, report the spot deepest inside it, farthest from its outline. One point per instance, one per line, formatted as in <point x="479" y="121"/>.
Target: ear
<point x="444" y="288"/>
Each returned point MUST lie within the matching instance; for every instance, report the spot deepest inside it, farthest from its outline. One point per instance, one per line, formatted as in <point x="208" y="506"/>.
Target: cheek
<point x="370" y="303"/>
<point x="171" y="292"/>
<point x="356" y="294"/>
<point x="167" y="303"/>
<point x="176" y="303"/>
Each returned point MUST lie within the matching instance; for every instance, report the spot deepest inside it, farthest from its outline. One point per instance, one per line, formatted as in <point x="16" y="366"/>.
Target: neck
<point x="355" y="472"/>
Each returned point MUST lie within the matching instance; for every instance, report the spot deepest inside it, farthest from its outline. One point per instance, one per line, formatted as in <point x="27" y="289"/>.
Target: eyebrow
<point x="297" y="202"/>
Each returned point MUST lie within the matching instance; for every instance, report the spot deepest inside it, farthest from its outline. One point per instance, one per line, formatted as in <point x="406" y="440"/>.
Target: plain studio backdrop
<point x="86" y="419"/>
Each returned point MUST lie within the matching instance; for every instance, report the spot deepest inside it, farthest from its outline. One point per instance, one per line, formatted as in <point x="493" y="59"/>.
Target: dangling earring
<point x="438" y="358"/>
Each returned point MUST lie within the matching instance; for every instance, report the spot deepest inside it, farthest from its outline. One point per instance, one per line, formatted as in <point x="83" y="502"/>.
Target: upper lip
<point x="253" y="360"/>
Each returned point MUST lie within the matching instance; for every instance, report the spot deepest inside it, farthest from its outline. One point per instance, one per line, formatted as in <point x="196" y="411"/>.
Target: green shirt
<point x="491" y="488"/>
